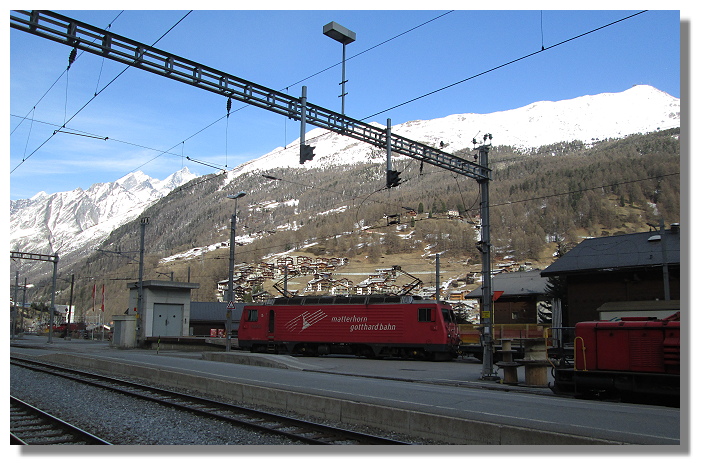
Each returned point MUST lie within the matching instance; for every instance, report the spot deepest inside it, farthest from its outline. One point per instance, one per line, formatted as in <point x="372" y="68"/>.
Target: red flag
<point x="496" y="295"/>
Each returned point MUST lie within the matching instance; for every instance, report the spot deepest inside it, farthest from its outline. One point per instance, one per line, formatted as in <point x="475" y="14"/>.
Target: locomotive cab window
<point x="426" y="315"/>
<point x="448" y="315"/>
<point x="252" y="315"/>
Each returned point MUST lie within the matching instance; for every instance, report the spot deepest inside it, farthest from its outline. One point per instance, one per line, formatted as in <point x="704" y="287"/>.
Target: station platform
<point x="443" y="401"/>
<point x="464" y="372"/>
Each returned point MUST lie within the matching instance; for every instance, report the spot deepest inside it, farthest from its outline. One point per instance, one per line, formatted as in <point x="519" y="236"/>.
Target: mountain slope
<point x="73" y="222"/>
<point x="331" y="194"/>
<point x="639" y="109"/>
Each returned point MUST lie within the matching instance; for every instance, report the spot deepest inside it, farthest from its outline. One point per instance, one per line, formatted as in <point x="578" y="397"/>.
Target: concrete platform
<point x="345" y="389"/>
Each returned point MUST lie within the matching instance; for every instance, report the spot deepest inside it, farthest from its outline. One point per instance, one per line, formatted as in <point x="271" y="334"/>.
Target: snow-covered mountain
<point x="73" y="222"/>
<point x="640" y="109"/>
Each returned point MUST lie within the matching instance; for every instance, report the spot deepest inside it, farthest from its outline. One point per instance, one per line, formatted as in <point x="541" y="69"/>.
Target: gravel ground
<point x="124" y="420"/>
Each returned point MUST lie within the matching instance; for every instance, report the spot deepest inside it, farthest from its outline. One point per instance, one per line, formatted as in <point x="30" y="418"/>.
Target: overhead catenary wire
<point x="95" y="96"/>
<point x="505" y="64"/>
<point x="57" y="80"/>
<point x="427" y="94"/>
<point x="484" y="72"/>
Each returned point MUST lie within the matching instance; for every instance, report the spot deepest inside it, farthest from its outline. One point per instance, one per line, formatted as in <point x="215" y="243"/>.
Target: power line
<point x="370" y="48"/>
<point x="96" y="136"/>
<point x="94" y="97"/>
<point x="57" y="80"/>
<point x="328" y="68"/>
<point x="504" y="65"/>
<point x="567" y="193"/>
<point x="481" y="73"/>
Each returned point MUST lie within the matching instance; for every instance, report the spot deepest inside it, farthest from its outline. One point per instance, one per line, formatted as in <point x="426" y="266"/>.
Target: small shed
<point x="643" y="308"/>
<point x="167" y="307"/>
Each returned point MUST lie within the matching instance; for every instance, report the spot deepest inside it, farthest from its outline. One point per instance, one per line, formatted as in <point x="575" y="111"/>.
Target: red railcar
<point x="632" y="358"/>
<point x="368" y="326"/>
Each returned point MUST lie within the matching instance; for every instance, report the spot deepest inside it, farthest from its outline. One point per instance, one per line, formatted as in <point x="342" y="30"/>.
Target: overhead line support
<point x="88" y="38"/>
<point x="73" y="33"/>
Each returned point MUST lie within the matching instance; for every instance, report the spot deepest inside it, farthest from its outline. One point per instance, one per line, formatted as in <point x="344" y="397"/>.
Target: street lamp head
<point x="237" y="196"/>
<point x="341" y="34"/>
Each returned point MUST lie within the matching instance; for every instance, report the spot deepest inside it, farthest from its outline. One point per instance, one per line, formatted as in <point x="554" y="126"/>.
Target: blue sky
<point x="144" y="115"/>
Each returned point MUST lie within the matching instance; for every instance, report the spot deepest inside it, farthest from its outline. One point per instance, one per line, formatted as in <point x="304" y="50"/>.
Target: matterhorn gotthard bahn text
<point x="74" y="223"/>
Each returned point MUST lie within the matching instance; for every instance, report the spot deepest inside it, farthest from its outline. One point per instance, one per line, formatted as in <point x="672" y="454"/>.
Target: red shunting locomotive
<point x="635" y="359"/>
<point x="368" y="326"/>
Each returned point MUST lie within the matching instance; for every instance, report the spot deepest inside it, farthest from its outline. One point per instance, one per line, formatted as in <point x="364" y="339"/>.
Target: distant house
<point x="519" y="294"/>
<point x="620" y="268"/>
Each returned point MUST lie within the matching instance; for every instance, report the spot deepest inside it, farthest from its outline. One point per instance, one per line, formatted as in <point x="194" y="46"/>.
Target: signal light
<point x="393" y="178"/>
<point x="305" y="153"/>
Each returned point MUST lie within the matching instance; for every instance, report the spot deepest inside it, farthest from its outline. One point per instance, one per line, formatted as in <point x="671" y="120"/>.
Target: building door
<point x="168" y="319"/>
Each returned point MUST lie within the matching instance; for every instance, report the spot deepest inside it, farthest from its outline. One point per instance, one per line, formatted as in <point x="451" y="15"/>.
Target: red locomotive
<point x="635" y="359"/>
<point x="368" y="326"/>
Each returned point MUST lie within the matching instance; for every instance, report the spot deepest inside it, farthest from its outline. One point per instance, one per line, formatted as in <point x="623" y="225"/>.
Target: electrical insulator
<point x="72" y="57"/>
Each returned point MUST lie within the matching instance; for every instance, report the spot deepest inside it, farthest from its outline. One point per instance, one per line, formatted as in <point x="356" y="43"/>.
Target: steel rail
<point x="292" y="428"/>
<point x="30" y="425"/>
<point x="74" y="33"/>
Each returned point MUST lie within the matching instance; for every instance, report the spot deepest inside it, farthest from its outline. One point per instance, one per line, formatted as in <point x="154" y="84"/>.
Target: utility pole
<point x="231" y="274"/>
<point x="438" y="278"/>
<point x="140" y="286"/>
<point x="24" y="302"/>
<point x="68" y="322"/>
<point x="14" y="298"/>
<point x="664" y="262"/>
<point x="486" y="249"/>
<point x="53" y="299"/>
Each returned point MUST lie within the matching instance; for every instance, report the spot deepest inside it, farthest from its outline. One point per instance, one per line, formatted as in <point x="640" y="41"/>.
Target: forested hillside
<point x="541" y="201"/>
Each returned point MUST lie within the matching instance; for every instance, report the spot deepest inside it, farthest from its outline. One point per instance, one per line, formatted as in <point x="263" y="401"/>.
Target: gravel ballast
<point x="124" y="420"/>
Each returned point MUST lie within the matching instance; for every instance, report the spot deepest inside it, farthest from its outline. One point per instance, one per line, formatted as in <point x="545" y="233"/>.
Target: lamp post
<point x="344" y="36"/>
<point x="231" y="272"/>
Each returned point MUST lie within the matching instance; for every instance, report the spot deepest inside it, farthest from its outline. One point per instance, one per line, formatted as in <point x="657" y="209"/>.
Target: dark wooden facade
<point x="620" y="268"/>
<point x="587" y="292"/>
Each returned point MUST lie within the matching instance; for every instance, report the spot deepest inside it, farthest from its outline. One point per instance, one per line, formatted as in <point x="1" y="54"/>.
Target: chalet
<point x="341" y="287"/>
<point x="622" y="268"/>
<point x="518" y="297"/>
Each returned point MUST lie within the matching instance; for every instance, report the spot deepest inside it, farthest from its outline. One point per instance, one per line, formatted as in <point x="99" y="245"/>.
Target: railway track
<point x="296" y="429"/>
<point x="30" y="425"/>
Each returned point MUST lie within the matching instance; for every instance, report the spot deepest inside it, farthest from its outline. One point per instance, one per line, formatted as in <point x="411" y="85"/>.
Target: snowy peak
<point x="640" y="109"/>
<point x="77" y="220"/>
<point x="591" y="118"/>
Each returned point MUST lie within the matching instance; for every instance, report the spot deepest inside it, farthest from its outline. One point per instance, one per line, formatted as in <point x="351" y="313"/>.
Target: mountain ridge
<point x="639" y="109"/>
<point x="74" y="222"/>
<point x="69" y="221"/>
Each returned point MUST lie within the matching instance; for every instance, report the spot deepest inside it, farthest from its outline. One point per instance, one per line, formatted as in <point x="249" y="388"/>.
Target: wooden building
<point x="518" y="295"/>
<point x="620" y="268"/>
